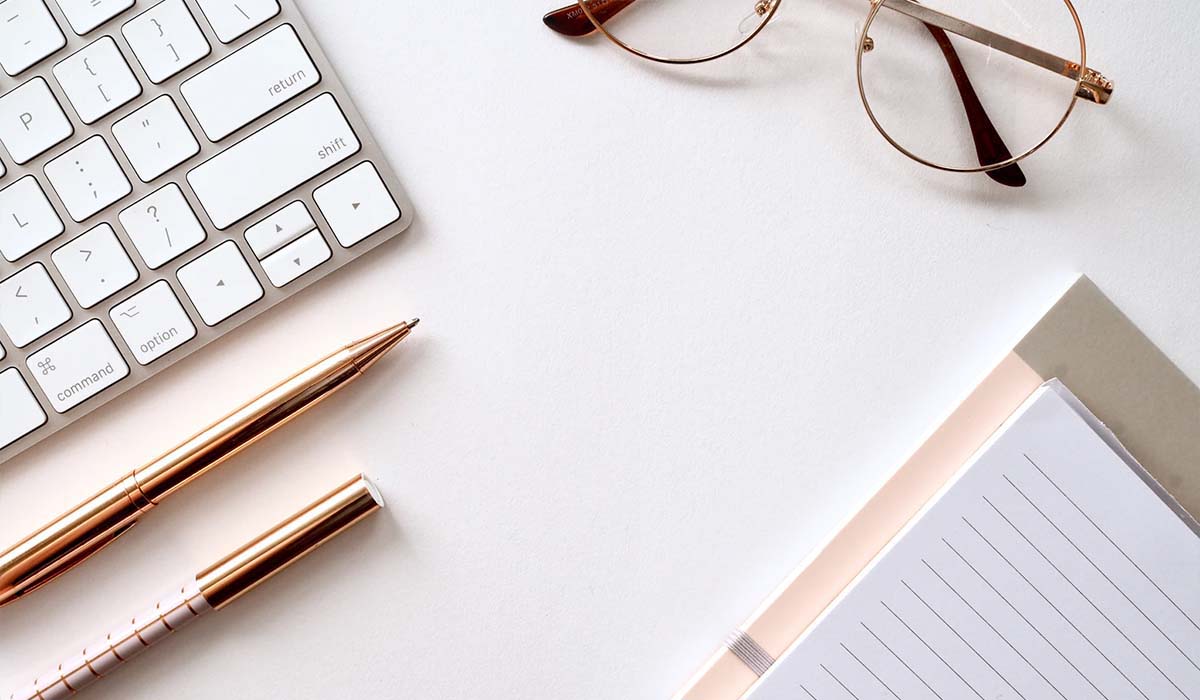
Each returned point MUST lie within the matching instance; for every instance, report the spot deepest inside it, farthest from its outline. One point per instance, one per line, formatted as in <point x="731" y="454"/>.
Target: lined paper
<point x="1047" y="570"/>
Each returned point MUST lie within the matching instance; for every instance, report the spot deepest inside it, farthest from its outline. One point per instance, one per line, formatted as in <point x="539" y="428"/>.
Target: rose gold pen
<point x="95" y="523"/>
<point x="211" y="589"/>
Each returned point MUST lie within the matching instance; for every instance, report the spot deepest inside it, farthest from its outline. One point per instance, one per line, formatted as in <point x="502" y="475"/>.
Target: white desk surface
<point x="678" y="324"/>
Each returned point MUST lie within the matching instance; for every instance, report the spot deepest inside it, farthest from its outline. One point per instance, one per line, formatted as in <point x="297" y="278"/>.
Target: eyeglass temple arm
<point x="989" y="145"/>
<point x="1094" y="87"/>
<point x="573" y="21"/>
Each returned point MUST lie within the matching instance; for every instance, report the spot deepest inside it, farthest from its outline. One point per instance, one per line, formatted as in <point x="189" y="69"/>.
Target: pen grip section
<point x="131" y="638"/>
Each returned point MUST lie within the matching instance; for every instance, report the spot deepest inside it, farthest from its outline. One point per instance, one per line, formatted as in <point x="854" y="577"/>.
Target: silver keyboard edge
<point x="330" y="83"/>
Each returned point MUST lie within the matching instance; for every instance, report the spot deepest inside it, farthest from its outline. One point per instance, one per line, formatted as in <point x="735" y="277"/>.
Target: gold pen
<point x="211" y="589"/>
<point x="95" y="523"/>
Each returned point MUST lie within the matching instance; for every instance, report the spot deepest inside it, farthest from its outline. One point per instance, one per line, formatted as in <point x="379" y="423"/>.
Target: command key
<point x="77" y="366"/>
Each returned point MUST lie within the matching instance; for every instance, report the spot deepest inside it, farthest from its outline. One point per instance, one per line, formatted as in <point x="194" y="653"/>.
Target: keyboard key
<point x="20" y="413"/>
<point x="31" y="121"/>
<point x="162" y="226"/>
<point x="31" y="306"/>
<point x="232" y="18"/>
<point x="220" y="283"/>
<point x="27" y="219"/>
<point x="165" y="39"/>
<point x="95" y="266"/>
<point x="279" y="229"/>
<point x="283" y="155"/>
<point x="156" y="138"/>
<point x="152" y="322"/>
<point x="97" y="80"/>
<point x="296" y="259"/>
<point x="28" y="33"/>
<point x="251" y="82"/>
<point x="77" y="366"/>
<point x="357" y="204"/>
<point x="86" y="15"/>
<point x="87" y="178"/>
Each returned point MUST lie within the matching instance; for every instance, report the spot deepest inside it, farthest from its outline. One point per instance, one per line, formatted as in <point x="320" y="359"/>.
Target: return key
<point x="251" y="82"/>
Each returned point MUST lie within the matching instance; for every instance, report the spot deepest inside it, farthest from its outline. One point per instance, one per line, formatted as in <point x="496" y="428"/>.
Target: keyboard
<point x="168" y="171"/>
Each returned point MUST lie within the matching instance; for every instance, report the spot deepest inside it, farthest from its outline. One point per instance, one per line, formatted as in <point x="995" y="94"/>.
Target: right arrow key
<point x="357" y="204"/>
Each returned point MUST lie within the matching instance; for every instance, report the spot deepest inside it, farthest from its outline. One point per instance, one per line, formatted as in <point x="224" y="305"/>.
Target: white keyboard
<point x="168" y="170"/>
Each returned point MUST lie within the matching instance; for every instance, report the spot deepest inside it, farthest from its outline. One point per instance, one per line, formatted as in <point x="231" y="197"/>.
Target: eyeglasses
<point x="924" y="91"/>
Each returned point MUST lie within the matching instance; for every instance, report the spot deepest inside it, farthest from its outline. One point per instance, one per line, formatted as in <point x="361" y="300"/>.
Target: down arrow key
<point x="297" y="259"/>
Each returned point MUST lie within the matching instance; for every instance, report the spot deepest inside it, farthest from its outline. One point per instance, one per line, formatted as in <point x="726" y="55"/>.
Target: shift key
<point x="77" y="366"/>
<point x="276" y="159"/>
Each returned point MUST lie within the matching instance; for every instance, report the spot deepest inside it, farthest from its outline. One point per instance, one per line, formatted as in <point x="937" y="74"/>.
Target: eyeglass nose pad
<point x="752" y="21"/>
<point x="868" y="44"/>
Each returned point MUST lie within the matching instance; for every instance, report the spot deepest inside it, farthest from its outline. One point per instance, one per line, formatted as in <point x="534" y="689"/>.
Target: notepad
<point x="1050" y="567"/>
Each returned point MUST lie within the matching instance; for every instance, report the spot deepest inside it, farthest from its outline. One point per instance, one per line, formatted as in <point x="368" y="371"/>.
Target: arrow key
<point x="296" y="259"/>
<point x="357" y="204"/>
<point x="220" y="283"/>
<point x="279" y="229"/>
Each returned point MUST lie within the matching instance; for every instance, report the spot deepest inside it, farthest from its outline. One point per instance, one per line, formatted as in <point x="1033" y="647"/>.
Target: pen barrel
<point x="126" y="641"/>
<point x="276" y="549"/>
<point x="72" y="538"/>
<point x="249" y="424"/>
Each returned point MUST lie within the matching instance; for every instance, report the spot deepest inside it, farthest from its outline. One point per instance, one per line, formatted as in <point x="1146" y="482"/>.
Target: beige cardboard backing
<point x="1151" y="406"/>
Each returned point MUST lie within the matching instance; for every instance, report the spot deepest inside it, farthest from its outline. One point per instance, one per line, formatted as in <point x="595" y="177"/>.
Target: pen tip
<point x="367" y="351"/>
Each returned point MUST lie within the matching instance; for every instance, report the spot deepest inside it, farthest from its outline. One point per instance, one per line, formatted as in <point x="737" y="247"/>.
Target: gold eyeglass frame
<point x="1089" y="83"/>
<point x="1080" y="70"/>
<point x="771" y="5"/>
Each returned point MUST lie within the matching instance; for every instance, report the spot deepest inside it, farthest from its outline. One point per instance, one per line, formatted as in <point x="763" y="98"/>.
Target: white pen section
<point x="131" y="638"/>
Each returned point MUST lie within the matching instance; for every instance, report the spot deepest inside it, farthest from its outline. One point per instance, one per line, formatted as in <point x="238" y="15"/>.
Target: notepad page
<point x="1047" y="570"/>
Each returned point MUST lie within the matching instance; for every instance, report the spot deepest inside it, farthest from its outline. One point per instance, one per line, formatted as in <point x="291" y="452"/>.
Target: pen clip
<point x="61" y="566"/>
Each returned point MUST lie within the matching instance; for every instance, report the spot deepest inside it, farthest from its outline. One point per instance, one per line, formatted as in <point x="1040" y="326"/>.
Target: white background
<point x="677" y="325"/>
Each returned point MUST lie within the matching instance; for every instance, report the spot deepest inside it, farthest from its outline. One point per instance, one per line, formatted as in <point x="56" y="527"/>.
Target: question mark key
<point x="162" y="226"/>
